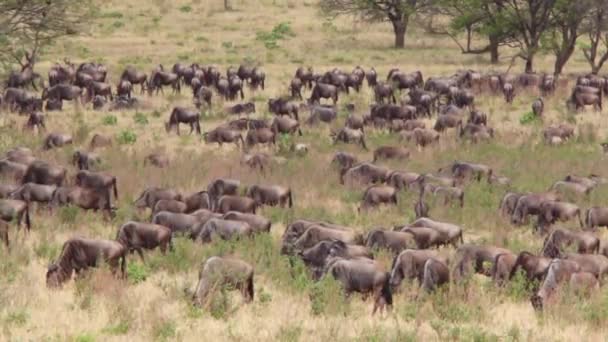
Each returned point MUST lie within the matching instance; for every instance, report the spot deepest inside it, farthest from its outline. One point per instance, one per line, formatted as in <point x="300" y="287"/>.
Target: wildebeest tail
<point x="386" y="290"/>
<point x="28" y="223"/>
<point x="290" y="199"/>
<point x="250" y="291"/>
<point x="115" y="188"/>
<point x="588" y="218"/>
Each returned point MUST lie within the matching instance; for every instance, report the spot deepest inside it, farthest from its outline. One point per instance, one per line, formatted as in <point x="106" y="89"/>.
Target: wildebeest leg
<point x="4" y="235"/>
<point x="141" y="254"/>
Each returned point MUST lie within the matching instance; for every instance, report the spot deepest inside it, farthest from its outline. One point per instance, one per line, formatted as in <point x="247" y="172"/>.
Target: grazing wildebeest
<point x="79" y="254"/>
<point x="184" y="115"/>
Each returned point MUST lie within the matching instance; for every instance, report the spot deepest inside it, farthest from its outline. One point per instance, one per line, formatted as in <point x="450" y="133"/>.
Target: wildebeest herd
<point x="226" y="208"/>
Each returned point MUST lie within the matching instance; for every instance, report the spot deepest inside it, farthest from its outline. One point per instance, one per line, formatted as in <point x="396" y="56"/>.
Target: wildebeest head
<point x="53" y="278"/>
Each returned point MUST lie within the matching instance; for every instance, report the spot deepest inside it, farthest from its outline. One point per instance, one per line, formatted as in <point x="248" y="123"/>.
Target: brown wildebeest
<point x="79" y="254"/>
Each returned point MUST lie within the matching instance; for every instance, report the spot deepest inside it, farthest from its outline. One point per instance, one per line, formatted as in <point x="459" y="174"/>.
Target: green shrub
<point x="118" y="24"/>
<point x="280" y="32"/>
<point x="219" y="304"/>
<point x="185" y="9"/>
<point x="109" y="120"/>
<point x="326" y="298"/>
<point x="86" y="337"/>
<point x="17" y="318"/>
<point x="164" y="331"/>
<point x="114" y="14"/>
<point x="137" y="273"/>
<point x="528" y="118"/>
<point x="68" y="214"/>
<point x="120" y="328"/>
<point x="126" y="137"/>
<point x="140" y="118"/>
<point x="290" y="333"/>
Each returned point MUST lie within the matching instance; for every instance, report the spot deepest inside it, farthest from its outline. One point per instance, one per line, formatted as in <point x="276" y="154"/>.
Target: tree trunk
<point x="595" y="69"/>
<point x="494" y="49"/>
<point x="399" y="27"/>
<point x="227" y="5"/>
<point x="530" y="63"/>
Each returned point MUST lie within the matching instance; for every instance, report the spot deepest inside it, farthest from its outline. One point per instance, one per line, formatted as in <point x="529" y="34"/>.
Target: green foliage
<point x="86" y="337"/>
<point x="109" y="120"/>
<point x="113" y="14"/>
<point x="284" y="144"/>
<point x="126" y="137"/>
<point x="290" y="333"/>
<point x="529" y="118"/>
<point x="68" y="214"/>
<point x="280" y="32"/>
<point x="185" y="9"/>
<point x="165" y="331"/>
<point x="519" y="288"/>
<point x="140" y="118"/>
<point x="137" y="273"/>
<point x="219" y="304"/>
<point x="326" y="298"/>
<point x="17" y="318"/>
<point x="118" y="24"/>
<point x="120" y="328"/>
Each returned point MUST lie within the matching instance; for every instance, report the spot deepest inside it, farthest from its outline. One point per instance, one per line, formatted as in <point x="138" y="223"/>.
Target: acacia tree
<point x="528" y="20"/>
<point x="397" y="12"/>
<point x="568" y="18"/>
<point x="474" y="18"/>
<point x="27" y="26"/>
<point x="596" y="27"/>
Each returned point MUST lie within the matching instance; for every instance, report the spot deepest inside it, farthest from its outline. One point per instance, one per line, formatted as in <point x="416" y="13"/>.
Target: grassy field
<point x="152" y="305"/>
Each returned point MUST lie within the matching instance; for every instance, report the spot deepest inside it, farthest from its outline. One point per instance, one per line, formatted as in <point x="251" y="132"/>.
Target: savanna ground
<point x="151" y="304"/>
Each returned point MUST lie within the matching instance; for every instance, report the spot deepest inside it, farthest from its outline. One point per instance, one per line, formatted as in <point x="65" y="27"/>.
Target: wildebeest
<point x="184" y="115"/>
<point x="79" y="254"/>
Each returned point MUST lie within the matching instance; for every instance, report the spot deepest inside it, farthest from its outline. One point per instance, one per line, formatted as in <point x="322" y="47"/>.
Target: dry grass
<point x="145" y="33"/>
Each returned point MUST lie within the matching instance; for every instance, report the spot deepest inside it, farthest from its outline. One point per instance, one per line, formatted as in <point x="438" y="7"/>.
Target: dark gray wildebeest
<point x="35" y="120"/>
<point x="562" y="272"/>
<point x="222" y="134"/>
<point x="258" y="224"/>
<point x="184" y="115"/>
<point x="79" y="254"/>
<point x="224" y="229"/>
<point x="54" y="140"/>
<point x="160" y="79"/>
<point x="322" y="90"/>
<point x="217" y="273"/>
<point x="364" y="173"/>
<point x="271" y="195"/>
<point x="137" y="236"/>
<point x="347" y="135"/>
<point x="476" y="257"/>
<point x="43" y="173"/>
<point x="376" y="195"/>
<point x="285" y="125"/>
<point x="391" y="152"/>
<point x="12" y="210"/>
<point x="157" y="159"/>
<point x="409" y="265"/>
<point x="96" y="180"/>
<point x="85" y="198"/>
<point x="135" y="77"/>
<point x="32" y="192"/>
<point x="364" y="276"/>
<point x="61" y="92"/>
<point x="220" y="187"/>
<point x="282" y="106"/>
<point x="86" y="160"/>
